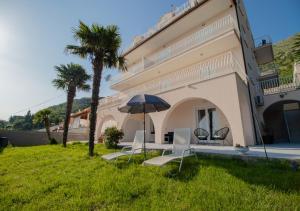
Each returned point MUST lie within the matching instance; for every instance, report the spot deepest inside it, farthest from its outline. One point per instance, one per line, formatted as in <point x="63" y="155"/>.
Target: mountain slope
<point x="58" y="111"/>
<point x="284" y="55"/>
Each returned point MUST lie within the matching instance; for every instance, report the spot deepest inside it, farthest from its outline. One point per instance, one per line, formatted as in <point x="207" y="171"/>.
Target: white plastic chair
<point x="136" y="148"/>
<point x="181" y="149"/>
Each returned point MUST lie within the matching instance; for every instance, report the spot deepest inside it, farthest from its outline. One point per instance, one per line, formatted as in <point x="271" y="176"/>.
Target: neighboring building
<point x="80" y="119"/>
<point x="202" y="59"/>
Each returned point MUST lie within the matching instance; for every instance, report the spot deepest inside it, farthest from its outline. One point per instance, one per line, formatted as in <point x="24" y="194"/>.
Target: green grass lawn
<point x="54" y="178"/>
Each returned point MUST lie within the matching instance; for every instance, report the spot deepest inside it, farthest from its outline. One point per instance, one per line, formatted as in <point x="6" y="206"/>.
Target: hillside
<point x="58" y="111"/>
<point x="285" y="56"/>
<point x="56" y="117"/>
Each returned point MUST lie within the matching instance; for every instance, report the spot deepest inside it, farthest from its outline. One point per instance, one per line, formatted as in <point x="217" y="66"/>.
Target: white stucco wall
<point x="184" y="115"/>
<point x="228" y="93"/>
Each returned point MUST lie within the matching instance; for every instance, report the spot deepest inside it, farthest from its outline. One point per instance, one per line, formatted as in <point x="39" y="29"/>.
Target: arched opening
<point x="197" y="113"/>
<point x="107" y="121"/>
<point x="134" y="122"/>
<point x="282" y="121"/>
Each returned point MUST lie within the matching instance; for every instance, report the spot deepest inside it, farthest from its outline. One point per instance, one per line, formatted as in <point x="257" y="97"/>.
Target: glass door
<point x="208" y="119"/>
<point x="292" y="118"/>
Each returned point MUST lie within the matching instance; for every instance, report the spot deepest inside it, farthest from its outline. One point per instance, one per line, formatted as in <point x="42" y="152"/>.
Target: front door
<point x="292" y="120"/>
<point x="208" y="119"/>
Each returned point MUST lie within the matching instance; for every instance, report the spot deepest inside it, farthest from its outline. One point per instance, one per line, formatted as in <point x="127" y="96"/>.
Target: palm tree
<point x="70" y="77"/>
<point x="42" y="116"/>
<point x="101" y="45"/>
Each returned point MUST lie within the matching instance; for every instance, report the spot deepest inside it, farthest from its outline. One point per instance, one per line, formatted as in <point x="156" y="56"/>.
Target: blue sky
<point x="33" y="35"/>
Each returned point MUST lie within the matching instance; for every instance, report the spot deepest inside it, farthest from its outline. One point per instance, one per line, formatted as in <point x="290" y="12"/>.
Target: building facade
<point x="201" y="58"/>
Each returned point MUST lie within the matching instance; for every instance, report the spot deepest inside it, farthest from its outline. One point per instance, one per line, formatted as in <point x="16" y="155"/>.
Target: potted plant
<point x="101" y="139"/>
<point x="112" y="136"/>
<point x="241" y="149"/>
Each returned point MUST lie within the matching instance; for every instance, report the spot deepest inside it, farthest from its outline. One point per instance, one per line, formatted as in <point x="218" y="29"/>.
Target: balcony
<point x="279" y="85"/>
<point x="195" y="40"/>
<point x="165" y="20"/>
<point x="176" y="23"/>
<point x="218" y="66"/>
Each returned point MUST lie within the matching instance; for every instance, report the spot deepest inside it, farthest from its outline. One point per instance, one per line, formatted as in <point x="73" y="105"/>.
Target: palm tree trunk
<point x="70" y="99"/>
<point x="98" y="67"/>
<point x="47" y="126"/>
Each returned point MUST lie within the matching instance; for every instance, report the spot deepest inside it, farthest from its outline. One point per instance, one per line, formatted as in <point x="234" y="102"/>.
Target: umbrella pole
<point x="144" y="133"/>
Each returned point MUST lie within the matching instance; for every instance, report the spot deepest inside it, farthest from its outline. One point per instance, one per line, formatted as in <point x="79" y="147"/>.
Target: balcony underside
<point x="191" y="21"/>
<point x="211" y="48"/>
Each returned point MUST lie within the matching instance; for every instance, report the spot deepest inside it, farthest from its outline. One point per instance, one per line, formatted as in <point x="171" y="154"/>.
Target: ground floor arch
<point x="282" y="121"/>
<point x="134" y="122"/>
<point x="107" y="121"/>
<point x="232" y="100"/>
<point x="228" y="94"/>
<point x="196" y="113"/>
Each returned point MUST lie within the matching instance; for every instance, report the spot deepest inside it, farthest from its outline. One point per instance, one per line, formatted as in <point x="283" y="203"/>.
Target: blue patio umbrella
<point x="144" y="103"/>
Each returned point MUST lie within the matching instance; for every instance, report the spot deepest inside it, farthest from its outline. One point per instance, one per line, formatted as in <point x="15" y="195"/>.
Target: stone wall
<point x="34" y="138"/>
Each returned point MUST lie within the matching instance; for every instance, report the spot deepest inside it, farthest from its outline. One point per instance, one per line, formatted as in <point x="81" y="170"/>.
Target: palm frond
<point x="81" y="51"/>
<point x="85" y="87"/>
<point x="71" y="76"/>
<point x="122" y="63"/>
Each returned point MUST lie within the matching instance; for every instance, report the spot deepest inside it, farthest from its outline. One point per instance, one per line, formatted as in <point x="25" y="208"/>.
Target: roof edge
<point x="165" y="27"/>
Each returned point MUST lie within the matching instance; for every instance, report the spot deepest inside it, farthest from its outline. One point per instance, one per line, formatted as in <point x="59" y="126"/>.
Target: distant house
<point x="80" y="119"/>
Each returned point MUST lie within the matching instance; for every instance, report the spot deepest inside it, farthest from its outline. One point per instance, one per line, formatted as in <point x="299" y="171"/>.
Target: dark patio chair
<point x="201" y="134"/>
<point x="221" y="134"/>
<point x="169" y="137"/>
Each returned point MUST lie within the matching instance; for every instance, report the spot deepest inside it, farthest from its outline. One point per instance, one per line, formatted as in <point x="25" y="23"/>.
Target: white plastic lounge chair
<point x="181" y="149"/>
<point x="136" y="148"/>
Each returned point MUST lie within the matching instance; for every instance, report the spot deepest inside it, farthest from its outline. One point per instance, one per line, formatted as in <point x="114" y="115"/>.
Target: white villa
<point x="202" y="59"/>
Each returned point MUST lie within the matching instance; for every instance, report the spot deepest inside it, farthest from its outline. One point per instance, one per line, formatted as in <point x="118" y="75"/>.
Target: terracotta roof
<point x="79" y="113"/>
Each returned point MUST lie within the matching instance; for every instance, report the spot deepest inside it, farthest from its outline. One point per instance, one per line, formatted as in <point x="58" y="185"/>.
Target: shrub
<point x="112" y="136"/>
<point x="53" y="141"/>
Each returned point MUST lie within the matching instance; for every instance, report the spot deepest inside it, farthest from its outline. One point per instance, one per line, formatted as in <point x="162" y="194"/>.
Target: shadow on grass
<point x="189" y="170"/>
<point x="275" y="174"/>
<point x="123" y="162"/>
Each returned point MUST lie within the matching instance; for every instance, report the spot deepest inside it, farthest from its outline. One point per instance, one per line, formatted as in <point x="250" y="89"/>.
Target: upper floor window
<point x="247" y="24"/>
<point x="246" y="43"/>
<point x="241" y="11"/>
<point x="243" y="29"/>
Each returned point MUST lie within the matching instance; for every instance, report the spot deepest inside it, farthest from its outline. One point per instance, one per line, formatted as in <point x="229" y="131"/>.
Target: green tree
<point x="3" y="124"/>
<point x="101" y="45"/>
<point x="28" y="121"/>
<point x="296" y="47"/>
<point x="21" y="122"/>
<point x="70" y="77"/>
<point x="285" y="52"/>
<point x="43" y="116"/>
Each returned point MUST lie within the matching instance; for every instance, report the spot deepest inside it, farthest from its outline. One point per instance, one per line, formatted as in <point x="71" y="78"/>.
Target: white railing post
<point x="175" y="49"/>
<point x="206" y="70"/>
<point x="278" y="85"/>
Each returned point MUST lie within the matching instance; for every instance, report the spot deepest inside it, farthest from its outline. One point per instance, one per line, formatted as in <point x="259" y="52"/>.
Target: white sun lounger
<point x="181" y="149"/>
<point x="136" y="148"/>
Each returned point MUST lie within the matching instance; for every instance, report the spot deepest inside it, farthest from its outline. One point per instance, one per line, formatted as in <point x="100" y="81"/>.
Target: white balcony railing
<point x="278" y="85"/>
<point x="218" y="66"/>
<point x="197" y="38"/>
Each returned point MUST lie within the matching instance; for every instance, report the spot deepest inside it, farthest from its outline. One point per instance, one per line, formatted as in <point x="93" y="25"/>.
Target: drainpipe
<point x="246" y="69"/>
